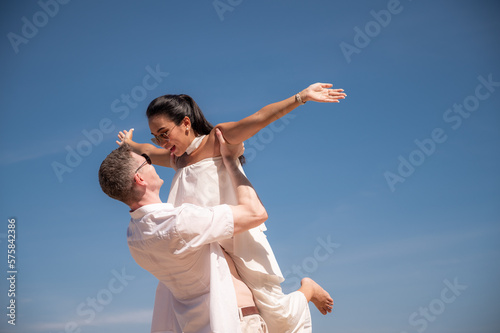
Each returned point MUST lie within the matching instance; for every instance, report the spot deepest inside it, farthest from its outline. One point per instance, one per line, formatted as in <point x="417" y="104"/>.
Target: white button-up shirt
<point x="180" y="247"/>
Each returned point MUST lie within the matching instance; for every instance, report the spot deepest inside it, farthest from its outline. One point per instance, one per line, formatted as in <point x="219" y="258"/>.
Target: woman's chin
<point x="177" y="152"/>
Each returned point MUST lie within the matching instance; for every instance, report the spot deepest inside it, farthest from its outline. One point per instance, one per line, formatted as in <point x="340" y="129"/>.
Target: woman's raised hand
<point x="322" y="92"/>
<point x="125" y="136"/>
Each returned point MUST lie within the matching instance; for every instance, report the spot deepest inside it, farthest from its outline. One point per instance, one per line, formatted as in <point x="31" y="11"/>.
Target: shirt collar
<point x="139" y="213"/>
<point x="194" y="144"/>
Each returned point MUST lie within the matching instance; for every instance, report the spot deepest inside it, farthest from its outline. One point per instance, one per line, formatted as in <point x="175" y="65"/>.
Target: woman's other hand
<point x="125" y="136"/>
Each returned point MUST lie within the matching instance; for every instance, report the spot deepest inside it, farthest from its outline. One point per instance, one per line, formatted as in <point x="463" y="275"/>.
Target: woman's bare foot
<point x="319" y="296"/>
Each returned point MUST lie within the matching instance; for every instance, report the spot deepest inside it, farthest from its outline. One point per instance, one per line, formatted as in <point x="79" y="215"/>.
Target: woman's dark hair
<point x="176" y="107"/>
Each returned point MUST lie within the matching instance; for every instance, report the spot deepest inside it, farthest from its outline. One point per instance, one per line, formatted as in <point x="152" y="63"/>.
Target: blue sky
<point x="389" y="199"/>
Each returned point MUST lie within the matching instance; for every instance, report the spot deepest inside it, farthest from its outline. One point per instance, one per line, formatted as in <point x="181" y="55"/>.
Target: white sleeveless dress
<point x="207" y="183"/>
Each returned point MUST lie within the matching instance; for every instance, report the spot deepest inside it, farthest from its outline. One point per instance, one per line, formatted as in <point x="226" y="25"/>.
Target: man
<point x="180" y="245"/>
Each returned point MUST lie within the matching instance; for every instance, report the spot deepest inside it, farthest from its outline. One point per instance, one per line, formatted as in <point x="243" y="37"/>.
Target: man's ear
<point x="139" y="180"/>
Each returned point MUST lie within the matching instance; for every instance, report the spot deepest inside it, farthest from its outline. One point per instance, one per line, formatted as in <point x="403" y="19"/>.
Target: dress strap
<point x="194" y="144"/>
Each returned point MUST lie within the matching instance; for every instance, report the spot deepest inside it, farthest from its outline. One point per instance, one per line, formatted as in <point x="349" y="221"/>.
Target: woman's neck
<point x="201" y="152"/>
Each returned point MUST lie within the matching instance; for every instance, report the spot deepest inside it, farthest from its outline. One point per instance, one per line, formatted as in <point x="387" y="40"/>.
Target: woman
<point x="189" y="145"/>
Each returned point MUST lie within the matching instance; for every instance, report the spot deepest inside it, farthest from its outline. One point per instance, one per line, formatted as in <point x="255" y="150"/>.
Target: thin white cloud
<point x="28" y="154"/>
<point x="131" y="317"/>
<point x="21" y="153"/>
<point x="408" y="246"/>
<point x="123" y="318"/>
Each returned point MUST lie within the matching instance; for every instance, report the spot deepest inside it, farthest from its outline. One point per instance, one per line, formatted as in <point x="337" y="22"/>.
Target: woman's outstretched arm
<point x="159" y="156"/>
<point x="239" y="131"/>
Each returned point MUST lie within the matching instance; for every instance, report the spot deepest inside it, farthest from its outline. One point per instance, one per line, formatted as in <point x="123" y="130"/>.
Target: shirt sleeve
<point x="198" y="226"/>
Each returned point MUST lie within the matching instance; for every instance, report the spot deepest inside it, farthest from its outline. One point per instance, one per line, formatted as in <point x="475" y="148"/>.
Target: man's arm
<point x="249" y="213"/>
